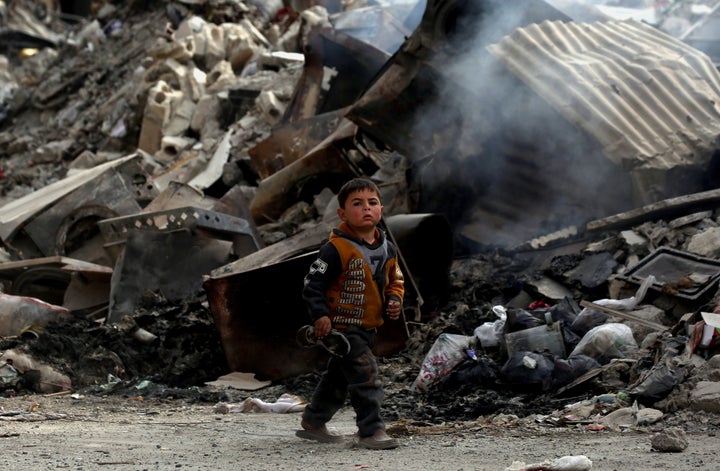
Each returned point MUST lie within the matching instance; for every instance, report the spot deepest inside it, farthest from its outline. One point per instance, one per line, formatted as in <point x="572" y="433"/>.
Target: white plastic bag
<point x="444" y="355"/>
<point x="607" y="341"/>
<point x="490" y="333"/>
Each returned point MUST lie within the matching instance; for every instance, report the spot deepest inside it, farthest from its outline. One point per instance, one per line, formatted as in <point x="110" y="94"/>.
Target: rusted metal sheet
<point x="258" y="312"/>
<point x="324" y="166"/>
<point x="290" y="141"/>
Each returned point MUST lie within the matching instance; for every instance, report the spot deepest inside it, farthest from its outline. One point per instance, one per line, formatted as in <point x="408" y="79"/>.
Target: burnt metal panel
<point x="290" y="141"/>
<point x="324" y="166"/>
<point x="44" y="222"/>
<point x="168" y="252"/>
<point x="337" y="70"/>
<point x="169" y="263"/>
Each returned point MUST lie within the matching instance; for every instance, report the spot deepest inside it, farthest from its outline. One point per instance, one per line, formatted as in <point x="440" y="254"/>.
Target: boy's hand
<point x="393" y="309"/>
<point x="322" y="327"/>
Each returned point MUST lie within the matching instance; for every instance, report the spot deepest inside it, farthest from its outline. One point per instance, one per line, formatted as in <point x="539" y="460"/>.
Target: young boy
<point x="355" y="280"/>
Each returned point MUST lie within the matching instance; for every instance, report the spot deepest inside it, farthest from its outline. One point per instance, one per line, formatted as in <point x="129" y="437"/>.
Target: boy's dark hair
<point x="356" y="184"/>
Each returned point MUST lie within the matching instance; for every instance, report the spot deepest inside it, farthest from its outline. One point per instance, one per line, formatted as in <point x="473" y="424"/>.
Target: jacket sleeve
<point x="323" y="271"/>
<point x="395" y="287"/>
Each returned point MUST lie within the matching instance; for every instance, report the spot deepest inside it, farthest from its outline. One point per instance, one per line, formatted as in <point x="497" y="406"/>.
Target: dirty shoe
<point x="378" y="441"/>
<point x="319" y="434"/>
<point x="335" y="342"/>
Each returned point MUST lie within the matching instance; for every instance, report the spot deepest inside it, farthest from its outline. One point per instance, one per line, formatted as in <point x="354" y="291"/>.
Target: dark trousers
<point x="356" y="374"/>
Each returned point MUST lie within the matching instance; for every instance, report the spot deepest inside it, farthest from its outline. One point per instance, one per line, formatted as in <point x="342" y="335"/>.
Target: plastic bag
<point x="446" y="352"/>
<point x="590" y="318"/>
<point x="607" y="341"/>
<point x="490" y="333"/>
<point x="470" y="373"/>
<point x="528" y="369"/>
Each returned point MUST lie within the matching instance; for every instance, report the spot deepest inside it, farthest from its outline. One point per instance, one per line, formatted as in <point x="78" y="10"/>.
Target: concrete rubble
<point x="164" y="171"/>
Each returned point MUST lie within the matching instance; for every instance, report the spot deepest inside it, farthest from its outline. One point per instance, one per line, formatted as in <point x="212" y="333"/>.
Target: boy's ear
<point x="341" y="214"/>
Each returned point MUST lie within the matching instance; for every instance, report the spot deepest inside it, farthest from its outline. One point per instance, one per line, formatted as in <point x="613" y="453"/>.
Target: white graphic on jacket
<point x="352" y="294"/>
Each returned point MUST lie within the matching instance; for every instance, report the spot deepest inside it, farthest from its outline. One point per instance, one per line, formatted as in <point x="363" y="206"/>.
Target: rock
<point x="669" y="440"/>
<point x="706" y="243"/>
<point x="706" y="397"/>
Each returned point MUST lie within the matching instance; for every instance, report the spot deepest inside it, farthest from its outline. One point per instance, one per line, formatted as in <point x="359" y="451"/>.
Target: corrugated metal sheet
<point x="650" y="100"/>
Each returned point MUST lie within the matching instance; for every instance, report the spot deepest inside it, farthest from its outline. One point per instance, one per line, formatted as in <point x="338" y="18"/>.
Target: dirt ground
<point x="95" y="432"/>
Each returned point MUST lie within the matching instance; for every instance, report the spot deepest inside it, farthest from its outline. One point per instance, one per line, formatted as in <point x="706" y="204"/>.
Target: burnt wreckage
<point x="515" y="133"/>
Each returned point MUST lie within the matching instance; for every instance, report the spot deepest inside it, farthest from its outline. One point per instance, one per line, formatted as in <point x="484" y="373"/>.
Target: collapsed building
<point x="202" y="160"/>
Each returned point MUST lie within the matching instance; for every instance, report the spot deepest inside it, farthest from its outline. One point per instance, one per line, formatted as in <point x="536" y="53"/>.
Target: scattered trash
<point x="564" y="463"/>
<point x="444" y="355"/>
<point x="286" y="403"/>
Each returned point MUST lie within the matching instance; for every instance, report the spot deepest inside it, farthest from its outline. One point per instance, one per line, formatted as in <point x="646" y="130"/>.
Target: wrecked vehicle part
<point x="63" y="215"/>
<point x="205" y="221"/>
<point x="257" y="332"/>
<point x="54" y="280"/>
<point x="154" y="240"/>
<point x="149" y="263"/>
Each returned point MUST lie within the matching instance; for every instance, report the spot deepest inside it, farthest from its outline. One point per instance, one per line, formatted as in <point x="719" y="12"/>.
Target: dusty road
<point x="89" y="433"/>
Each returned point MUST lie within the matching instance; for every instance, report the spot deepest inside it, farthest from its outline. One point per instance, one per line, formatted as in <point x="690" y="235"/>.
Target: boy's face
<point x="362" y="210"/>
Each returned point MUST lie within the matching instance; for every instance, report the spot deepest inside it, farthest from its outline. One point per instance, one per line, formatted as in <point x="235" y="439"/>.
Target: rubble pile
<point x="165" y="163"/>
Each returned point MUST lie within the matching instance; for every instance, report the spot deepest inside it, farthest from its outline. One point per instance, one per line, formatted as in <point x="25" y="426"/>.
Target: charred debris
<point x="548" y="173"/>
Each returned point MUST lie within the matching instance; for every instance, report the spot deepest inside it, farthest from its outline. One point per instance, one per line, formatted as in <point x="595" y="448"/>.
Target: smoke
<point x="505" y="162"/>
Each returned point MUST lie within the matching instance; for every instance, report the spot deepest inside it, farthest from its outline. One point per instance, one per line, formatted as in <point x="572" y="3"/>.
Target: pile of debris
<point x="163" y="168"/>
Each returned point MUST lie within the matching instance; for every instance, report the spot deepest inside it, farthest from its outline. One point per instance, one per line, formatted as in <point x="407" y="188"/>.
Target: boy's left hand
<point x="393" y="309"/>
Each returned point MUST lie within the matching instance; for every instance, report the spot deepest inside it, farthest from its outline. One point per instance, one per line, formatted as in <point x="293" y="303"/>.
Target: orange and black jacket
<point x="351" y="280"/>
